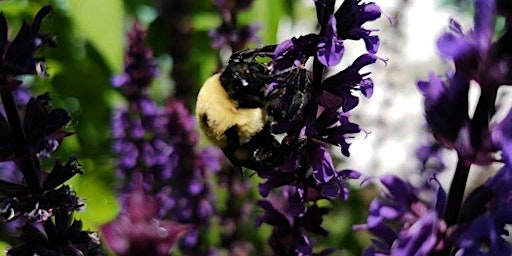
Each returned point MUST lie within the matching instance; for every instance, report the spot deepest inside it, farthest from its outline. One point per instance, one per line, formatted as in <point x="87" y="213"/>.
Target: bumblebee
<point x="232" y="110"/>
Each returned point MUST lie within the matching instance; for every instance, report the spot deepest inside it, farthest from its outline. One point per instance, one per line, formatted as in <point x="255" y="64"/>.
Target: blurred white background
<point x="393" y="116"/>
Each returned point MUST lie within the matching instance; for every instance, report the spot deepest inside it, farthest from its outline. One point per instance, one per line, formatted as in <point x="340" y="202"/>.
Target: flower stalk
<point x="22" y="150"/>
<point x="456" y="192"/>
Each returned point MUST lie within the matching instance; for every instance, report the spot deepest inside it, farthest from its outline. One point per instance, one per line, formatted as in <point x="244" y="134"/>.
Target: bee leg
<point x="232" y="143"/>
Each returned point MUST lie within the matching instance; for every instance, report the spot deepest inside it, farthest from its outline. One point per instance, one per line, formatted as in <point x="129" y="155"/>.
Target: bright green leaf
<point x="101" y="22"/>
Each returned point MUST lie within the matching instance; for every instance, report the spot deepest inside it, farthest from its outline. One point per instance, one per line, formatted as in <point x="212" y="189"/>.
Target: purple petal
<point x="321" y="161"/>
<point x="398" y="189"/>
<point x="484" y="23"/>
<point x="452" y="46"/>
<point x="330" y="50"/>
<point x="366" y="87"/>
<point x="420" y="238"/>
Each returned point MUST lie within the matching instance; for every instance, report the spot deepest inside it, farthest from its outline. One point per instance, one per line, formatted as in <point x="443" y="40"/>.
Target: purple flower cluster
<point x="190" y="195"/>
<point x="229" y="32"/>
<point x="477" y="58"/>
<point x="485" y="215"/>
<point x="311" y="113"/>
<point x="40" y="199"/>
<point x="477" y="225"/>
<point x="292" y="222"/>
<point x="137" y="231"/>
<point x="158" y="160"/>
<point x="404" y="222"/>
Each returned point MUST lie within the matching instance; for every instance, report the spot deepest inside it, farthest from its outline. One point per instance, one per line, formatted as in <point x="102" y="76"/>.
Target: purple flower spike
<point x="476" y="225"/>
<point x="305" y="121"/>
<point x="229" y="33"/>
<point x="225" y="35"/>
<point x="39" y="201"/>
<point x="158" y="145"/>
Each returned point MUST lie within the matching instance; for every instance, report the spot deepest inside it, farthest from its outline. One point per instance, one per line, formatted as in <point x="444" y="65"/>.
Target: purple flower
<point x="337" y="89"/>
<point x="40" y="200"/>
<point x="43" y="125"/>
<point x="291" y="221"/>
<point x="468" y="50"/>
<point x="238" y="37"/>
<point x="476" y="227"/>
<point x="158" y="144"/>
<point x="56" y="197"/>
<point x="294" y="52"/>
<point x="330" y="48"/>
<point x="229" y="33"/>
<point x="138" y="230"/>
<point x="482" y="238"/>
<point x="351" y="16"/>
<point x="446" y="110"/>
<point x="476" y="57"/>
<point x="305" y="110"/>
<point x="140" y="68"/>
<point x="484" y="216"/>
<point x="62" y="237"/>
<point x="18" y="55"/>
<point x="431" y="158"/>
<point x="419" y="224"/>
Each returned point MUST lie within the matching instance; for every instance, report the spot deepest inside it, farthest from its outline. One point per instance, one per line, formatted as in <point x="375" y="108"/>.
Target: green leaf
<point x="13" y="6"/>
<point x="268" y="14"/>
<point x="102" y="205"/>
<point x="3" y="246"/>
<point x="101" y="22"/>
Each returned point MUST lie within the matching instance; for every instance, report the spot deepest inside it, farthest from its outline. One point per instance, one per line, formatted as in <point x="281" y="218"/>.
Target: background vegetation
<point x="91" y="41"/>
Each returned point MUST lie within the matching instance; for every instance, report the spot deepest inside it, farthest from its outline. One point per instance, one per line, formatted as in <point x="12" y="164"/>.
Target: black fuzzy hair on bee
<point x="231" y="109"/>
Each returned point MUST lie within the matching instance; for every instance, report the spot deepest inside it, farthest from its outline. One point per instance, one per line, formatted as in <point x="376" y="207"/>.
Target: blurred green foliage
<point x="91" y="42"/>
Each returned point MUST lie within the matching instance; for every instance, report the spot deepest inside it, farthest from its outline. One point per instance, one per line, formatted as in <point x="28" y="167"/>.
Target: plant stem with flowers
<point x="305" y="107"/>
<point x="165" y="192"/>
<point x="41" y="200"/>
<point x="449" y="224"/>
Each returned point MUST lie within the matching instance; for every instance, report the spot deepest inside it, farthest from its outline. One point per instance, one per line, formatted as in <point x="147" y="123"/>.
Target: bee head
<point x="245" y="82"/>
